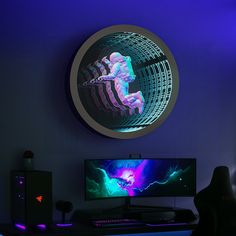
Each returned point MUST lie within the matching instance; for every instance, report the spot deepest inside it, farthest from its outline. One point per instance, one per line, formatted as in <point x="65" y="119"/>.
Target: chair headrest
<point x="221" y="180"/>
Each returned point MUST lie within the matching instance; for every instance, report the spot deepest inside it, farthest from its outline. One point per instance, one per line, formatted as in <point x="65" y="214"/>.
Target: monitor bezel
<point x="151" y="196"/>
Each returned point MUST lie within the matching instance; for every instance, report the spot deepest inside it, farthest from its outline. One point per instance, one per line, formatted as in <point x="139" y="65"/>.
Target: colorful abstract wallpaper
<point x="139" y="177"/>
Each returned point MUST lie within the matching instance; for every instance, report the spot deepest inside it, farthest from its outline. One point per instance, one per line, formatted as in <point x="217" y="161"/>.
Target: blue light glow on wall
<point x="38" y="41"/>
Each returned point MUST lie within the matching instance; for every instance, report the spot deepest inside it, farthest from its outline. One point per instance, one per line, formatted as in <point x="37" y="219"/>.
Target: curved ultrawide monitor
<point x="112" y="178"/>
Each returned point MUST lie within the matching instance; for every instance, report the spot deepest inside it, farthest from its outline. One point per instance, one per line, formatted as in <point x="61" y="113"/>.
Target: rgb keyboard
<point x="105" y="223"/>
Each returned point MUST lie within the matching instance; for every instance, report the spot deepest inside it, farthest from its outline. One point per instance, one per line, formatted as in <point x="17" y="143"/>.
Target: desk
<point x="170" y="233"/>
<point x="82" y="230"/>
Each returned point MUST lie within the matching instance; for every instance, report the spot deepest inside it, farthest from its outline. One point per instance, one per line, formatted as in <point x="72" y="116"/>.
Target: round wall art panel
<point x="124" y="81"/>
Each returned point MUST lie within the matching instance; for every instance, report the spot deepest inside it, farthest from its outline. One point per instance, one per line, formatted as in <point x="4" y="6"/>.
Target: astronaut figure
<point x="106" y="61"/>
<point x="121" y="72"/>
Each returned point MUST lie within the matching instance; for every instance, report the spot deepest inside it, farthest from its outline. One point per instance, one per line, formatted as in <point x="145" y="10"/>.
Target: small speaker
<point x="31" y="199"/>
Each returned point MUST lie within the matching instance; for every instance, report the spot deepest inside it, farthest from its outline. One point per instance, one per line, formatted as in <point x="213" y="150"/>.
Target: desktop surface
<point x="172" y="233"/>
<point x="136" y="221"/>
<point x="139" y="215"/>
<point x="84" y="230"/>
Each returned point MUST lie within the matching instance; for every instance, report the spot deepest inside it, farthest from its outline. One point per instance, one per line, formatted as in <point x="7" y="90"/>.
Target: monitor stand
<point x="130" y="211"/>
<point x="128" y="207"/>
<point x="152" y="213"/>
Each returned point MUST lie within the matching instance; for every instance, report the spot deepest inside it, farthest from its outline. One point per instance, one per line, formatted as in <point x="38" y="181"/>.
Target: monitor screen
<point x="112" y="178"/>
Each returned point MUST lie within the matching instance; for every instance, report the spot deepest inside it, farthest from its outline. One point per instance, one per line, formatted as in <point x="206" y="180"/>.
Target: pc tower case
<point x="31" y="199"/>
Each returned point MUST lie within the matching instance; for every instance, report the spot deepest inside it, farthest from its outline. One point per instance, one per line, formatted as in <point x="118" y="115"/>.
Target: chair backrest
<point x="216" y="205"/>
<point x="220" y="183"/>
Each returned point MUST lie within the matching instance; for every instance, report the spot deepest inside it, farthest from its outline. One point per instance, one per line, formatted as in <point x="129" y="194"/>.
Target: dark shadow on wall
<point x="58" y="91"/>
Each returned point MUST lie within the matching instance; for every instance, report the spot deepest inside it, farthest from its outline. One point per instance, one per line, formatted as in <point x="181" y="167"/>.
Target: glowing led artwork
<point x="144" y="177"/>
<point x="121" y="72"/>
<point x="124" y="81"/>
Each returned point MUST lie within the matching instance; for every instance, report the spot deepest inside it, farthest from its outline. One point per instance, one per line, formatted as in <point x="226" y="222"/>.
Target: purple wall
<point x="37" y="42"/>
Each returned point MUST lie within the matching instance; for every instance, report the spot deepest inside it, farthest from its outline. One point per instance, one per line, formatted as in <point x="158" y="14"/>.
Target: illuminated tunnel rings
<point x="156" y="77"/>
